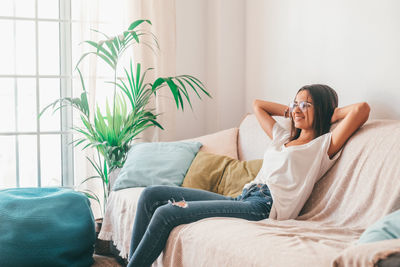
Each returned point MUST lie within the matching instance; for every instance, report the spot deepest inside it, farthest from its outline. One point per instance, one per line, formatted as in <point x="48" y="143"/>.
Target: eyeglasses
<point x="303" y="105"/>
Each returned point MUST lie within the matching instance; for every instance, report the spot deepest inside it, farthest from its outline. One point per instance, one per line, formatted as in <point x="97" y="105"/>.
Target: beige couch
<point x="361" y="187"/>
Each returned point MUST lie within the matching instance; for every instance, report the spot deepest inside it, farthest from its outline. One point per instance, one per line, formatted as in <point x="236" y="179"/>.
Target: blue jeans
<point x="158" y="213"/>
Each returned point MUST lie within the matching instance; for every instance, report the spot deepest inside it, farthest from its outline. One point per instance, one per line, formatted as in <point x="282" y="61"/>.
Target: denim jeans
<point x="158" y="213"/>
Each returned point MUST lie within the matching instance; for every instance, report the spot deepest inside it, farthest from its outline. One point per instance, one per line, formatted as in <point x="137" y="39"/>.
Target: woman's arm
<point x="264" y="111"/>
<point x="353" y="117"/>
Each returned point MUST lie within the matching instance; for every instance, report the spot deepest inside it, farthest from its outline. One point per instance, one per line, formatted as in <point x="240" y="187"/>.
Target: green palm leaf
<point x="137" y="23"/>
<point x="99" y="48"/>
<point x="112" y="130"/>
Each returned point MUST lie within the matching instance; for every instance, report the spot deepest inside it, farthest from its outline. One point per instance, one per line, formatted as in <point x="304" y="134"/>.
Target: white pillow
<point x="221" y="143"/>
<point x="252" y="140"/>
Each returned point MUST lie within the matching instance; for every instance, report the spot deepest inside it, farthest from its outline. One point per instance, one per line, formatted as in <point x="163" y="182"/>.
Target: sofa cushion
<point x="386" y="228"/>
<point x="45" y="227"/>
<point x="160" y="163"/>
<point x="252" y="140"/>
<point x="221" y="143"/>
<point x="220" y="174"/>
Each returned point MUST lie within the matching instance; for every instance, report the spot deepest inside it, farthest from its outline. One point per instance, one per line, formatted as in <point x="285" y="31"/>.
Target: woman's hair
<point x="325" y="100"/>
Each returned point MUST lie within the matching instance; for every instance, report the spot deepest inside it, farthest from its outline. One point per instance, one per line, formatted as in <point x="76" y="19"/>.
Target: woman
<point x="293" y="163"/>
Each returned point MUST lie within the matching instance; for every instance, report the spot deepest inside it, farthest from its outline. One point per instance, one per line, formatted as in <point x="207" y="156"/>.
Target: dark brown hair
<point x="325" y="100"/>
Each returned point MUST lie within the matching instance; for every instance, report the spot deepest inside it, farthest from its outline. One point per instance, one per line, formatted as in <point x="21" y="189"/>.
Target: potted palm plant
<point x="111" y="132"/>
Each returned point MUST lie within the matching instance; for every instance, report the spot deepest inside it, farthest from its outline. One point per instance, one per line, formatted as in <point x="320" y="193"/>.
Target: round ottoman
<point x="45" y="227"/>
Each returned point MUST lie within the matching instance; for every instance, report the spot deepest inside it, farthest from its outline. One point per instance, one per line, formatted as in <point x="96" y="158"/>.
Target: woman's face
<point x="303" y="113"/>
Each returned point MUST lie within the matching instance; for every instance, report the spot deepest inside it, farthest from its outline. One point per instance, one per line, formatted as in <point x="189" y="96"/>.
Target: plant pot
<point x="101" y="247"/>
<point x="112" y="176"/>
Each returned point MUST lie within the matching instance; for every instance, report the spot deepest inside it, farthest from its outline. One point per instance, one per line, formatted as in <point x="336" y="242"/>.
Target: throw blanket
<point x="119" y="218"/>
<point x="361" y="188"/>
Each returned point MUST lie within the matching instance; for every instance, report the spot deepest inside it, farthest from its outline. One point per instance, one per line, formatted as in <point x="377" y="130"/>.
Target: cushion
<point x="252" y="140"/>
<point x="386" y="228"/>
<point x="159" y="163"/>
<point x="220" y="174"/>
<point x="221" y="143"/>
<point x="45" y="227"/>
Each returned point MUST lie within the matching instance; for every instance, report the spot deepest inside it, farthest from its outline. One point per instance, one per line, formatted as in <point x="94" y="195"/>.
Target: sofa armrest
<point x="391" y="261"/>
<point x="118" y="218"/>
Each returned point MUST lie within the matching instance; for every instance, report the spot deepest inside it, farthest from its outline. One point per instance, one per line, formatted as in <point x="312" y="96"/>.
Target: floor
<point x="104" y="251"/>
<point x="103" y="261"/>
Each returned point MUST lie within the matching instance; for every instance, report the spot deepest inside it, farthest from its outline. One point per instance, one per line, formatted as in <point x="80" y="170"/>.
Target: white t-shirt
<point x="291" y="172"/>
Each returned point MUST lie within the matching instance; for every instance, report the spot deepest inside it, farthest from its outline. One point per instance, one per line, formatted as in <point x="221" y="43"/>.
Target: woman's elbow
<point x="256" y="104"/>
<point x="363" y="109"/>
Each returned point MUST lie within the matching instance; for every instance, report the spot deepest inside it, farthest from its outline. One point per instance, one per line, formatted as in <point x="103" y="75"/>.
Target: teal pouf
<point x="45" y="227"/>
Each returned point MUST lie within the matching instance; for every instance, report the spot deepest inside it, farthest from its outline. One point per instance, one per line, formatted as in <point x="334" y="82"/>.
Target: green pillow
<point x="220" y="174"/>
<point x="386" y="228"/>
<point x="160" y="163"/>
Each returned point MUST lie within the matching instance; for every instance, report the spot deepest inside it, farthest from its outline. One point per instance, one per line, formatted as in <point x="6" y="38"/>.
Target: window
<point x="35" y="69"/>
<point x="38" y="53"/>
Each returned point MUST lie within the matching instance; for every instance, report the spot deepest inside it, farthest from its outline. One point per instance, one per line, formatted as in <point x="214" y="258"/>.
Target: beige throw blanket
<point x="362" y="187"/>
<point x="119" y="217"/>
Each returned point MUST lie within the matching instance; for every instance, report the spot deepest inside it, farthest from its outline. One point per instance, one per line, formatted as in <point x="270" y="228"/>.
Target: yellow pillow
<point x="220" y="174"/>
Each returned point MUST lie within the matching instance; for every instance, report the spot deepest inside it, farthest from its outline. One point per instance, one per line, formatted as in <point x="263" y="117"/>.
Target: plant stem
<point x="115" y="91"/>
<point x="103" y="184"/>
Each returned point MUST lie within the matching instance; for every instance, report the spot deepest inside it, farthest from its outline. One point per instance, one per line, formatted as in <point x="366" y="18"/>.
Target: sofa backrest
<point x="364" y="184"/>
<point x="252" y="140"/>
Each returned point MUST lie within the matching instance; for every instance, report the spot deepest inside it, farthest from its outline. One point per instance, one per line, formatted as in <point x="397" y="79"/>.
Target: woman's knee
<point x="152" y="197"/>
<point x="146" y="193"/>
<point x="166" y="216"/>
<point x="150" y="193"/>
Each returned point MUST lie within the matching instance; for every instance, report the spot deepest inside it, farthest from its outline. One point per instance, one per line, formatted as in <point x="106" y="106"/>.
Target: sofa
<point x="362" y="187"/>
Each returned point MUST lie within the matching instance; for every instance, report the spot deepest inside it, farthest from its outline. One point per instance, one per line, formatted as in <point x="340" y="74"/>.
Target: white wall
<point x="268" y="49"/>
<point x="353" y="46"/>
<point x="210" y="45"/>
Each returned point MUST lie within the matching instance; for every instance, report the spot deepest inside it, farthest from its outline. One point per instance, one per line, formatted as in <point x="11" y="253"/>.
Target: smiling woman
<point x="316" y="104"/>
<point x="291" y="174"/>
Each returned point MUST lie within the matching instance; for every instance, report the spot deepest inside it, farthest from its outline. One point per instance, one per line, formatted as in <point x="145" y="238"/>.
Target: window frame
<point x="65" y="79"/>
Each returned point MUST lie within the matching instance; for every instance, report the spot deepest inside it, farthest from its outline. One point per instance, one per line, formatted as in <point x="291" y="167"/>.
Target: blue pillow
<point x="386" y="228"/>
<point x="159" y="163"/>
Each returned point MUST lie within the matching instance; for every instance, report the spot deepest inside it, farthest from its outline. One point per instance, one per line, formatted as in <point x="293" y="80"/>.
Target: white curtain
<point x="162" y="14"/>
<point x="85" y="15"/>
<point x="112" y="17"/>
